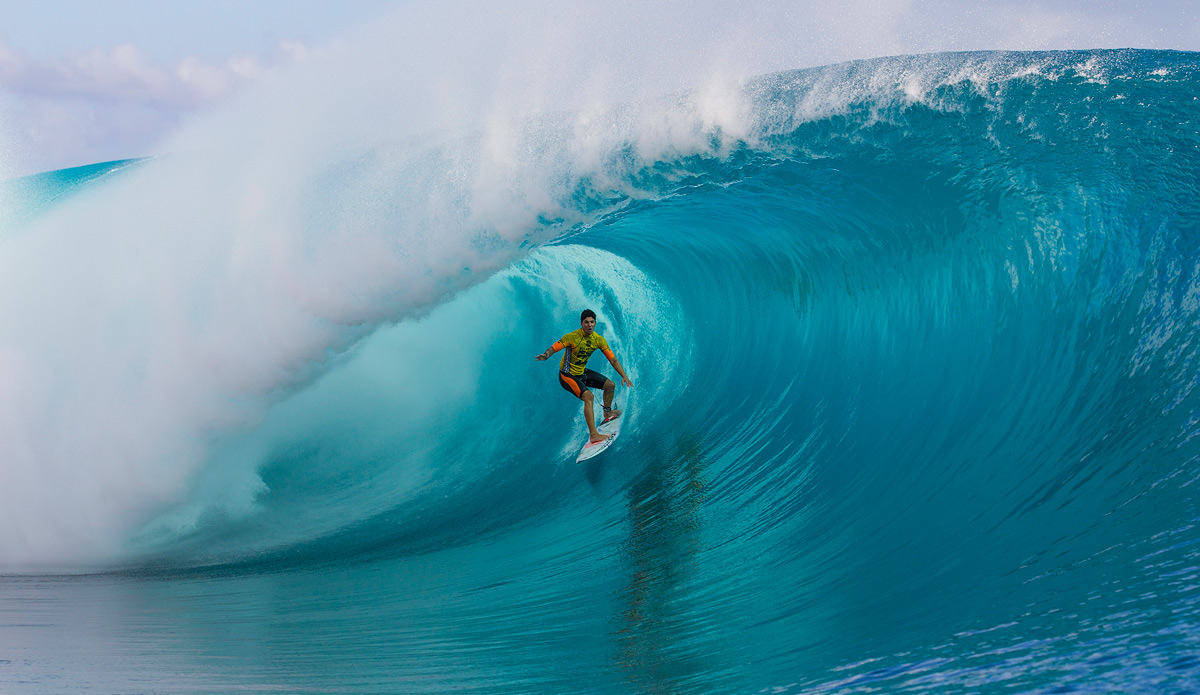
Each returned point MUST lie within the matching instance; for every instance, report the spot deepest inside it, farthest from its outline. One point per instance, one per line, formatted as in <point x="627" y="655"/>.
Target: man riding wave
<point x="574" y="376"/>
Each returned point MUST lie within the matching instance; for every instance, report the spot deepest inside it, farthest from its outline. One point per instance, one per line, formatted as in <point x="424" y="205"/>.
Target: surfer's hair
<point x="586" y="313"/>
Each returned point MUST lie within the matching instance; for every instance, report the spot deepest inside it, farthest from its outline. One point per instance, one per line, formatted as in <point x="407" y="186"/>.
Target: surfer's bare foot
<point x="612" y="415"/>
<point x="597" y="437"/>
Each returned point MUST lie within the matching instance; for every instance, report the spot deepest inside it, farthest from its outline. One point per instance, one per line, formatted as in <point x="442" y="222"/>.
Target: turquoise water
<point x="915" y="353"/>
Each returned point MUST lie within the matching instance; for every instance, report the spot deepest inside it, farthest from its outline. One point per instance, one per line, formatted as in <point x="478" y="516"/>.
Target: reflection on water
<point x="661" y="557"/>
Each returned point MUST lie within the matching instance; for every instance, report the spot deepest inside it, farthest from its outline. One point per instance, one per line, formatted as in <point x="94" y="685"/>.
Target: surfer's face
<point x="589" y="325"/>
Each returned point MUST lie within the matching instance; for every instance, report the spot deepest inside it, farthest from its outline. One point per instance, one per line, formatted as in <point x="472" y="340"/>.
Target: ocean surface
<point x="915" y="340"/>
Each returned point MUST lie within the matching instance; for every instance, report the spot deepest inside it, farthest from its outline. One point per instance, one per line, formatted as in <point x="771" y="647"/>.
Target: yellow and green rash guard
<point x="578" y="349"/>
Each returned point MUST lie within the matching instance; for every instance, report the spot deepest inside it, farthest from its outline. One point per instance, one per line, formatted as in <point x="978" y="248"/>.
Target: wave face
<point x="915" y="345"/>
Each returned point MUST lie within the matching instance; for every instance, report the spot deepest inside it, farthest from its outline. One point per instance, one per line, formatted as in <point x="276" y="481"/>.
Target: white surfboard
<point x="612" y="428"/>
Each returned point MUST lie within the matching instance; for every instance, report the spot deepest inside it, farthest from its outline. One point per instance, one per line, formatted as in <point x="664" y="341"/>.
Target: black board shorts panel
<point x="576" y="384"/>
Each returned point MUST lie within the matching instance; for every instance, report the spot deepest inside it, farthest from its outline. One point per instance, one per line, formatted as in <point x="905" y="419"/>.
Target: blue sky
<point x="171" y="30"/>
<point x="82" y="82"/>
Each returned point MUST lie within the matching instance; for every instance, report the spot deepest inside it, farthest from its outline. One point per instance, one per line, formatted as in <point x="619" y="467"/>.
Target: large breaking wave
<point x="915" y="344"/>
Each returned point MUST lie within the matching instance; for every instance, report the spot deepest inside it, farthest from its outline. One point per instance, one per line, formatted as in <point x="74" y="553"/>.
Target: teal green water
<point x="915" y="412"/>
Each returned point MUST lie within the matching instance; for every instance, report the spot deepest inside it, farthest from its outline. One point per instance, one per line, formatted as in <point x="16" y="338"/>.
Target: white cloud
<point x="95" y="105"/>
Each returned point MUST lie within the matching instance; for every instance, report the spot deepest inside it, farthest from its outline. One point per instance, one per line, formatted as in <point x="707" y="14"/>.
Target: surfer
<point x="574" y="376"/>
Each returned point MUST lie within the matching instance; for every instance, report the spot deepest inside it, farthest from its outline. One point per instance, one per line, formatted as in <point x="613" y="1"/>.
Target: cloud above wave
<point x="103" y="104"/>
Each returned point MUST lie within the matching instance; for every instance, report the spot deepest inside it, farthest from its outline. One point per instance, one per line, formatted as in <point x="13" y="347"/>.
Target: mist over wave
<point x="195" y="289"/>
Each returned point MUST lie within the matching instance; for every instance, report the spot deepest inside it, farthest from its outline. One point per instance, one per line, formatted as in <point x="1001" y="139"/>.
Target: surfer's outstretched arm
<point x="550" y="351"/>
<point x="612" y="359"/>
